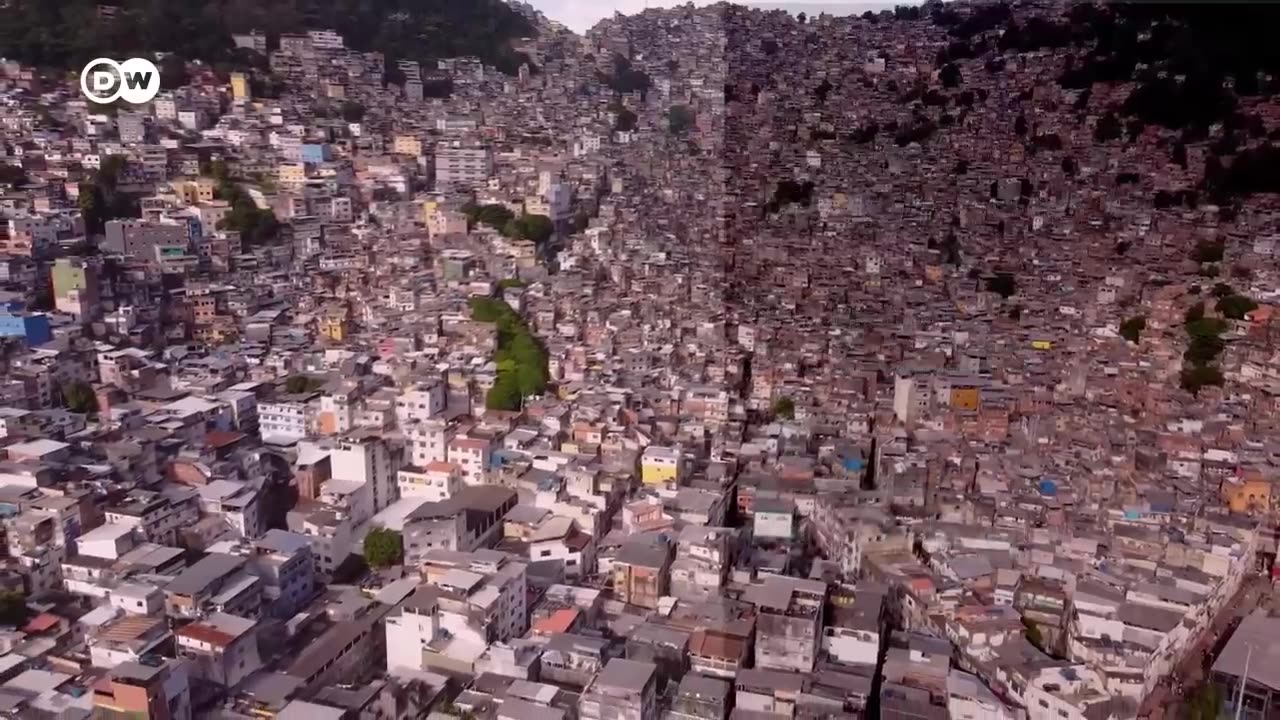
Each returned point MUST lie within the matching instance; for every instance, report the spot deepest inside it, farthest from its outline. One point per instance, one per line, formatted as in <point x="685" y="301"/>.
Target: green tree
<point x="1032" y="632"/>
<point x="91" y="207"/>
<point x="383" y="548"/>
<point x="680" y="118"/>
<point x="626" y="120"/>
<point x="297" y="384"/>
<point x="521" y="359"/>
<point x="352" y="111"/>
<point x="1222" y="290"/>
<point x="1003" y="284"/>
<point x="256" y="226"/>
<point x="1205" y="702"/>
<point x="1235" y="306"/>
<point x="1199" y="376"/>
<point x="1194" y="313"/>
<point x="1209" y="251"/>
<point x="12" y="174"/>
<point x="537" y="228"/>
<point x="1206" y="328"/>
<point x="784" y="408"/>
<point x="494" y="215"/>
<point x="625" y="78"/>
<point x="1132" y="328"/>
<point x="1108" y="128"/>
<point x="505" y="393"/>
<point x="79" y="397"/>
<point x="13" y="608"/>
<point x="950" y="76"/>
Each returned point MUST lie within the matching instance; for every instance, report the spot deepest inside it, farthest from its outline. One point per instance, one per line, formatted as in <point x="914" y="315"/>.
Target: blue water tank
<point x="1048" y="488"/>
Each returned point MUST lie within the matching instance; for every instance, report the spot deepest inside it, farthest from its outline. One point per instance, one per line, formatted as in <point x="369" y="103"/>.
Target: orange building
<point x="1248" y="495"/>
<point x="964" y="397"/>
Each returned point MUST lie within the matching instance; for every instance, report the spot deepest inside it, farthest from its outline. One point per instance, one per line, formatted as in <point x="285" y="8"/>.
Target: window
<point x="545" y="553"/>
<point x="1063" y="713"/>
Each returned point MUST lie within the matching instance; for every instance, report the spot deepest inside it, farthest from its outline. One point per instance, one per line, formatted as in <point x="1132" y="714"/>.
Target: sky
<point x="580" y="15"/>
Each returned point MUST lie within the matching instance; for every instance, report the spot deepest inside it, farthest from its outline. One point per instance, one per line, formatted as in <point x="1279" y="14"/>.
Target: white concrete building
<point x="421" y="402"/>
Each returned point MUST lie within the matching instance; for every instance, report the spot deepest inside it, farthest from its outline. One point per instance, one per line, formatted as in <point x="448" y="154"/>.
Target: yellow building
<point x="292" y="173"/>
<point x="660" y="466"/>
<point x="1041" y="344"/>
<point x="186" y="190"/>
<point x="1248" y="496"/>
<point x="334" y="324"/>
<point x="429" y="210"/>
<point x="964" y="397"/>
<point x="205" y="189"/>
<point x="406" y="145"/>
<point x="240" y="87"/>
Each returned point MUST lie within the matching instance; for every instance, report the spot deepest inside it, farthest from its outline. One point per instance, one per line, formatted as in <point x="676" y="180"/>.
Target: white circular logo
<point x="136" y="80"/>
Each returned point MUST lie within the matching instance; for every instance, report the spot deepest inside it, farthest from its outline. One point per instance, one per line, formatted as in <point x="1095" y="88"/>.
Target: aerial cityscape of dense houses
<point x="718" y="363"/>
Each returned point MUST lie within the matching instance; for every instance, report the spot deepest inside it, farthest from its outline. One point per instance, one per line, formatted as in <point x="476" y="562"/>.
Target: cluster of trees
<point x="1188" y="51"/>
<point x="1235" y="306"/>
<point x="537" y="228"/>
<point x="1204" y="703"/>
<point x="101" y="198"/>
<point x="625" y="78"/>
<point x="298" y="384"/>
<point x="522" y="361"/>
<point x="69" y="33"/>
<point x="1003" y="284"/>
<point x="79" y="397"/>
<point x="255" y="225"/>
<point x="788" y="192"/>
<point x="1205" y="334"/>
<point x="680" y="118"/>
<point x="383" y="548"/>
<point x="865" y="134"/>
<point x="626" y="120"/>
<point x="13" y="609"/>
<point x="915" y="132"/>
<point x="1165" y="199"/>
<point x="12" y="174"/>
<point x="784" y="408"/>
<point x="1209" y="251"/>
<point x="1253" y="170"/>
<point x="1132" y="328"/>
<point x="949" y="247"/>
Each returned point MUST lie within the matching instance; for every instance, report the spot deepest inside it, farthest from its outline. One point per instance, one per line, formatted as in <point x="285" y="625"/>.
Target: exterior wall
<point x="854" y="647"/>
<point x="773" y="525"/>
<point x="787" y="643"/>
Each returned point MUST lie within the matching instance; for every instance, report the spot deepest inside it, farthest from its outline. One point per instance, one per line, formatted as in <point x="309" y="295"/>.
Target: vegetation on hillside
<point x="383" y="548"/>
<point x="101" y="199"/>
<point x="1205" y="334"/>
<point x="79" y="397"/>
<point x="69" y="33"/>
<point x="525" y="226"/>
<point x="1132" y="328"/>
<point x="522" y="361"/>
<point x="298" y="384"/>
<point x="13" y="609"/>
<point x="624" y="78"/>
<point x="784" y="408"/>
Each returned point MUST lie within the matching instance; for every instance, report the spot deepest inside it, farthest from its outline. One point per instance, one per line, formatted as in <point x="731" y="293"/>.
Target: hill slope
<point x="68" y="33"/>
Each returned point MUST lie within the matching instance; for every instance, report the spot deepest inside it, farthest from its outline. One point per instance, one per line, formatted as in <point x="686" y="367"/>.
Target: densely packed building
<point x="718" y="363"/>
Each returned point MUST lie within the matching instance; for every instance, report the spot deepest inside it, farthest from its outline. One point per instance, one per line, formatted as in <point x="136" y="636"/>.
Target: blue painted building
<point x="314" y="153"/>
<point x="15" y="321"/>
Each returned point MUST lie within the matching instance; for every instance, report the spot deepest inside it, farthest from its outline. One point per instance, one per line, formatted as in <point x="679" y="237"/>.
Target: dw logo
<point x="136" y="80"/>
